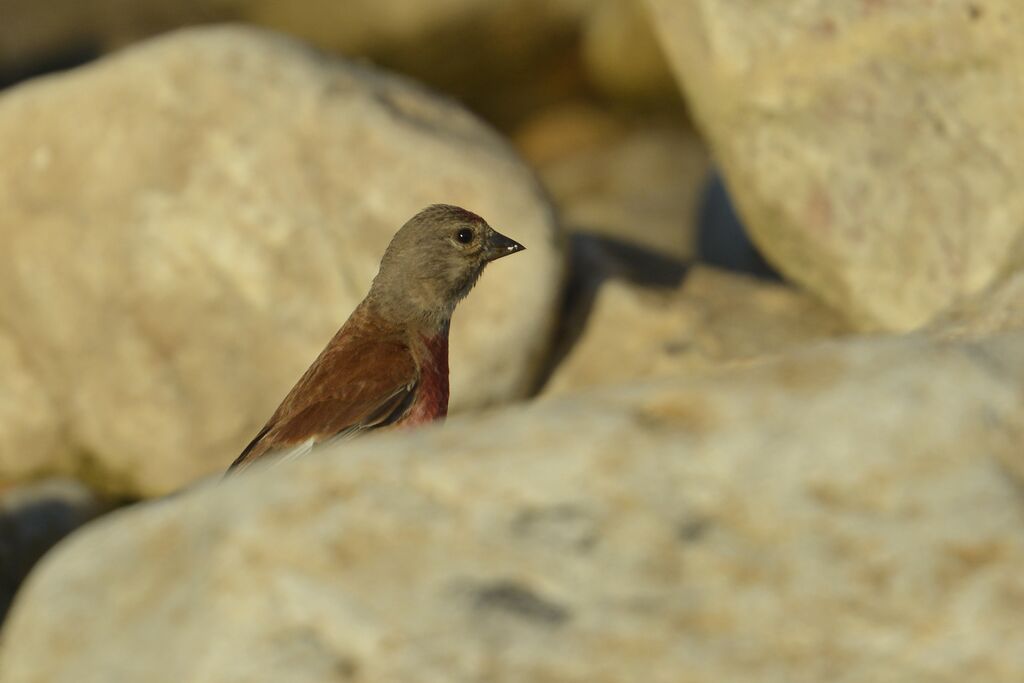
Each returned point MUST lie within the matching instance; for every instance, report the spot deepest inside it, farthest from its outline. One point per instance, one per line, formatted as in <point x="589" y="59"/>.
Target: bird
<point x="387" y="366"/>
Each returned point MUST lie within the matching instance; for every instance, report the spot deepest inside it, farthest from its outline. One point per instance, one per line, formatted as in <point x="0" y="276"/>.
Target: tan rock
<point x="998" y="309"/>
<point x="187" y="223"/>
<point x="832" y="515"/>
<point x="875" y="149"/>
<point x="713" y="317"/>
<point x="459" y="46"/>
<point x="642" y="187"/>
<point x="622" y="53"/>
<point x="30" y="425"/>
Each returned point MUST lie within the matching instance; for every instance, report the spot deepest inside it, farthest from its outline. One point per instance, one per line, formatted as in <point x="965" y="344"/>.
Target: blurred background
<point x="194" y="195"/>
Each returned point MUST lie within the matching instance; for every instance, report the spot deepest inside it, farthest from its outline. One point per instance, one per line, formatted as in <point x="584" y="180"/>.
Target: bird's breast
<point x="431" y="402"/>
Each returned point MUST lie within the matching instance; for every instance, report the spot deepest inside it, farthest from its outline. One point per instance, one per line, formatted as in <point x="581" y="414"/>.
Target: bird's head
<point x="432" y="263"/>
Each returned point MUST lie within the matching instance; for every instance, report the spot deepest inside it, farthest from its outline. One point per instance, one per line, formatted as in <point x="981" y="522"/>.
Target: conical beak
<point x="498" y="245"/>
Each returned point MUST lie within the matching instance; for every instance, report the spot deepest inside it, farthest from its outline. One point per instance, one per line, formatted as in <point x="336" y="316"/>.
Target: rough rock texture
<point x="187" y="223"/>
<point x="634" y="331"/>
<point x="876" y="149"/>
<point x="32" y="519"/>
<point x="837" y="515"/>
<point x="998" y="309"/>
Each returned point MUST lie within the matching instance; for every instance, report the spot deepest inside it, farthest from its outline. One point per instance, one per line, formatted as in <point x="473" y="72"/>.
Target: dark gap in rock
<point x="722" y="239"/>
<point x="66" y="58"/>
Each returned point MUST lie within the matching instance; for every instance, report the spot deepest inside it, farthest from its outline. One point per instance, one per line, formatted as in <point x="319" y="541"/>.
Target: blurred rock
<point x="30" y="423"/>
<point x="832" y="515"/>
<point x="187" y="223"/>
<point x="32" y="519"/>
<point x="998" y="309"/>
<point x="560" y="132"/>
<point x="634" y="331"/>
<point x="623" y="57"/>
<point x="875" y="149"/>
<point x="639" y="183"/>
<point x="460" y="46"/>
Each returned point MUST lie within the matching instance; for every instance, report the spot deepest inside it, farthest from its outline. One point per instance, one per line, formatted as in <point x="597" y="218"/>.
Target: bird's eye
<point x="465" y="235"/>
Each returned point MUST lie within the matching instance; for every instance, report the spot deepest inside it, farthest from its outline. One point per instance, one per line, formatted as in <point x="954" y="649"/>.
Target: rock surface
<point x="640" y="183"/>
<point x="875" y="149"/>
<point x="839" y="514"/>
<point x="998" y="309"/>
<point x="622" y="53"/>
<point x="32" y="519"/>
<point x="187" y="223"/>
<point x="634" y="331"/>
<point x="459" y="46"/>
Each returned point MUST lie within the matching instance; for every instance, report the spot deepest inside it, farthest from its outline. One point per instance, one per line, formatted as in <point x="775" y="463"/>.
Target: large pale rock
<point x="713" y="317"/>
<point x="640" y="184"/>
<point x="622" y="54"/>
<point x="835" y="515"/>
<point x="187" y="223"/>
<point x="998" y="309"/>
<point x="875" y="149"/>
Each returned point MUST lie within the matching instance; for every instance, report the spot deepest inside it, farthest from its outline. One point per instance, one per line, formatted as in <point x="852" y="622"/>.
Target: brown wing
<point x="353" y="385"/>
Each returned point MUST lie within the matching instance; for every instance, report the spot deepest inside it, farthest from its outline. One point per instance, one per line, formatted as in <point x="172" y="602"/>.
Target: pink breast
<point x="431" y="402"/>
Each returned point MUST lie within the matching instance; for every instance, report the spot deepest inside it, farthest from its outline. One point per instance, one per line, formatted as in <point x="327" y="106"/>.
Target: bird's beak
<point x="498" y="245"/>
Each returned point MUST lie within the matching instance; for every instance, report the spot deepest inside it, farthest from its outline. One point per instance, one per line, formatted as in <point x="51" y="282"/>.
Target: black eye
<point x="465" y="235"/>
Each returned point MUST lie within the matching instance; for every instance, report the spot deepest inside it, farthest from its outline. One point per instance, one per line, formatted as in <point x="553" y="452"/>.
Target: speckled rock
<point x="178" y="250"/>
<point x="835" y="515"/>
<point x="875" y="149"/>
<point x="998" y="309"/>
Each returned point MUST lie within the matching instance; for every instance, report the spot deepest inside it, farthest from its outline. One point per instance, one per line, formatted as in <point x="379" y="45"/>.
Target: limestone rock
<point x="622" y="53"/>
<point x="29" y="421"/>
<point x="186" y="224"/>
<point x="641" y="186"/>
<point x="837" y="514"/>
<point x="638" y="332"/>
<point x="875" y="149"/>
<point x="998" y="309"/>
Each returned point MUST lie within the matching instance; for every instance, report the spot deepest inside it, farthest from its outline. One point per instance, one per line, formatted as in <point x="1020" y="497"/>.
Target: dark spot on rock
<point x="675" y="348"/>
<point x="513" y="598"/>
<point x="346" y="669"/>
<point x="693" y="529"/>
<point x="974" y="12"/>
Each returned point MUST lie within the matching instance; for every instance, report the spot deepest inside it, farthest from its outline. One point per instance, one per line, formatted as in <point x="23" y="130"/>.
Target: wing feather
<point x="354" y="385"/>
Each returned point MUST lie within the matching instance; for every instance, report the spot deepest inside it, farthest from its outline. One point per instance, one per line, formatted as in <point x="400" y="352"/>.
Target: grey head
<point x="433" y="262"/>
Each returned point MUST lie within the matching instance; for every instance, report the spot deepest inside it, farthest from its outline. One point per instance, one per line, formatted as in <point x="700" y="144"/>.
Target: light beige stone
<point x="30" y="423"/>
<point x="641" y="187"/>
<point x="622" y="53"/>
<point x="186" y="224"/>
<point x="875" y="149"/>
<point x="714" y="317"/>
<point x="998" y="309"/>
<point x="835" y="515"/>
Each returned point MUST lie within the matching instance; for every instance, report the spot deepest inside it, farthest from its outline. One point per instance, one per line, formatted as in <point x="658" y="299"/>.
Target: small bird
<point x="388" y="364"/>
